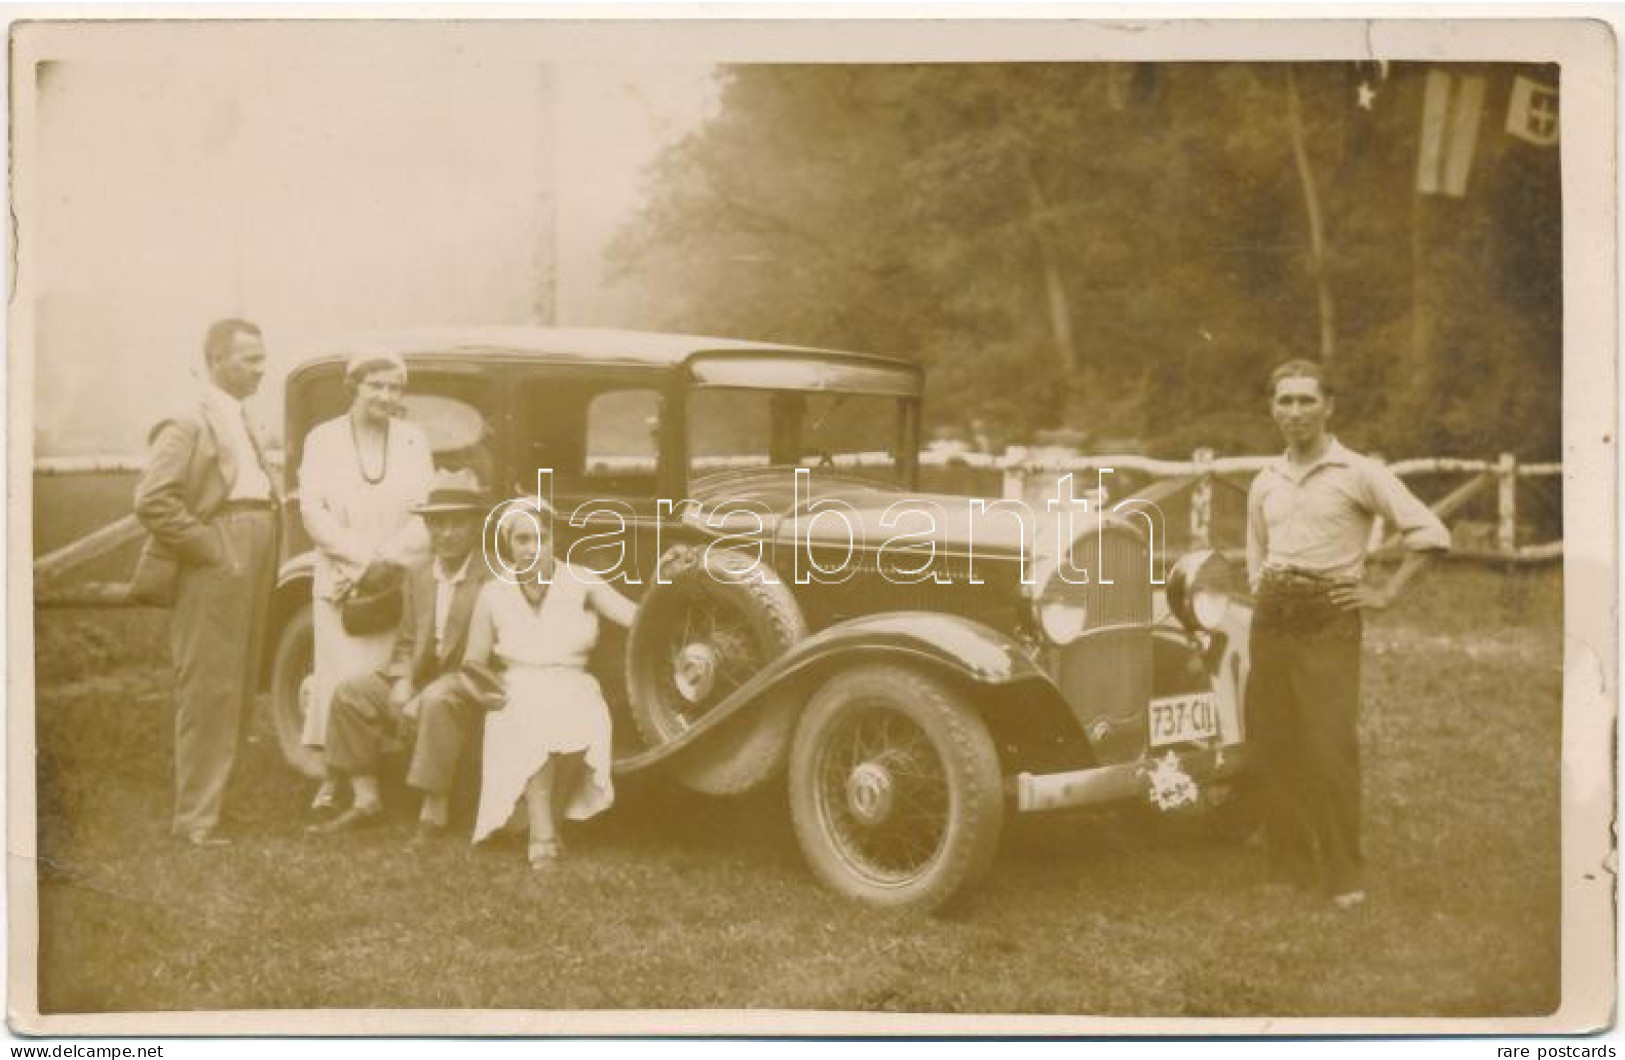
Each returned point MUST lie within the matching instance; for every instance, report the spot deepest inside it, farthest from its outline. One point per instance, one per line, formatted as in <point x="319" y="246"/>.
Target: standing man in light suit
<point x="209" y="500"/>
<point x="1309" y="518"/>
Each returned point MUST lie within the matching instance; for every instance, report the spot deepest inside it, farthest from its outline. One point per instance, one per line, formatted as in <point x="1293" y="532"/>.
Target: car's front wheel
<point x="291" y="685"/>
<point x="895" y="788"/>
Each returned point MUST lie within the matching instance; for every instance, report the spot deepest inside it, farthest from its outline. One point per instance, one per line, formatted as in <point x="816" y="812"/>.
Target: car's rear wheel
<point x="696" y="641"/>
<point x="291" y="686"/>
<point x="895" y="788"/>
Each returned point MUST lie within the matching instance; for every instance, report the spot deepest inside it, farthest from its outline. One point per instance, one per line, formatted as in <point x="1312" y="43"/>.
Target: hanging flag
<point x="1452" y="106"/>
<point x="1370" y="78"/>
<point x="1532" y="114"/>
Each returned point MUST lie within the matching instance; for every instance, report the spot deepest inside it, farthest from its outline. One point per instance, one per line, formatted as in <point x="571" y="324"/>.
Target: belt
<point x="1298" y="582"/>
<point x="249" y="504"/>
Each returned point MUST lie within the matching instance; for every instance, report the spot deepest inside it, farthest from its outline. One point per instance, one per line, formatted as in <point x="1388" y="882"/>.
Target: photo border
<point x="1585" y="50"/>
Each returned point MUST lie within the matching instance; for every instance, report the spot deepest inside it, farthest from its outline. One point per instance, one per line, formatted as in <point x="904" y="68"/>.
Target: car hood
<point x="875" y="512"/>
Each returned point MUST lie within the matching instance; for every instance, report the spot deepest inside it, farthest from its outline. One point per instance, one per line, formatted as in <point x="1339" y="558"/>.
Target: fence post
<point x="1202" y="499"/>
<point x="1014" y="485"/>
<point x="1507" y="510"/>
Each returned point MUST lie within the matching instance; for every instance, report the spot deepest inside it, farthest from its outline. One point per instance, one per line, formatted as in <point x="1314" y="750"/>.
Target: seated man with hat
<point x="421" y="682"/>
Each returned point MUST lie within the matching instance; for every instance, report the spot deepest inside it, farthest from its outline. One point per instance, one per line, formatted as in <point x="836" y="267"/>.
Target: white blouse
<point x="354" y="521"/>
<point x="562" y="631"/>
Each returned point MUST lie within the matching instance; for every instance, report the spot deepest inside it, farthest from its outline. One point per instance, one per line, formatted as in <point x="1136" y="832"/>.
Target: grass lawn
<point x="674" y="900"/>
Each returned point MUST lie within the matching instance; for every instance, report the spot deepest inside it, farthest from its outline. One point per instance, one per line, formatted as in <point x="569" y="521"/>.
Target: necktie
<point x="259" y="452"/>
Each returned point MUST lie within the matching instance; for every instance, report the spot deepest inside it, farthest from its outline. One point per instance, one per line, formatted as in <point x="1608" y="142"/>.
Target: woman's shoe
<point x="545" y="855"/>
<point x="352" y="820"/>
<point x="326" y="800"/>
<point x="427" y="835"/>
<point x="205" y="837"/>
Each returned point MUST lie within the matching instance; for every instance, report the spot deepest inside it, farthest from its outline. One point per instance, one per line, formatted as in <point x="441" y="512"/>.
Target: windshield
<point x="857" y="434"/>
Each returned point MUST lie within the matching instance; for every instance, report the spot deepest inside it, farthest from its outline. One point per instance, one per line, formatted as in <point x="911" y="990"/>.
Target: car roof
<point x="570" y="346"/>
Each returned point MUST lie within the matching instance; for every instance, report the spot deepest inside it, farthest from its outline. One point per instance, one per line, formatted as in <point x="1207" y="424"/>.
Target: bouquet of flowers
<point x="1170" y="787"/>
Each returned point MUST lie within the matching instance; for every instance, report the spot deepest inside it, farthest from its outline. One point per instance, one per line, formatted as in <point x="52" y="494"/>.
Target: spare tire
<point x="717" y="620"/>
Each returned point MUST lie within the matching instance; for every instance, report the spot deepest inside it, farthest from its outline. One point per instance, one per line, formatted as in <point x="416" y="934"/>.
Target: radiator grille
<point x="1121" y="556"/>
<point x="1106" y="675"/>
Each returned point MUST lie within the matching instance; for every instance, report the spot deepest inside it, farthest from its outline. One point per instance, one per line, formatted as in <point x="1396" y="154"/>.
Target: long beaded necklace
<point x="361" y="465"/>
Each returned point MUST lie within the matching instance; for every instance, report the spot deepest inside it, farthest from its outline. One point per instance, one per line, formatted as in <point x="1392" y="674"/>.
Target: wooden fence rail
<point x="1030" y="474"/>
<point x="1017" y="459"/>
<point x="1035" y="474"/>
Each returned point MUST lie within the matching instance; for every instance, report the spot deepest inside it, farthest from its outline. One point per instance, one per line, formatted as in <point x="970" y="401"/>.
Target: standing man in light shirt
<point x="1309" y="520"/>
<point x="208" y="500"/>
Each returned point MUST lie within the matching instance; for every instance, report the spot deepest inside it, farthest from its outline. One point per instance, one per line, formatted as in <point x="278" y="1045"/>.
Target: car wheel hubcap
<point x="869" y="793"/>
<point x="696" y="672"/>
<point x="883" y="795"/>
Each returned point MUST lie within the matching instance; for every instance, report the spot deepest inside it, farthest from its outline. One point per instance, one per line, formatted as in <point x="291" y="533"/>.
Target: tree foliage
<point x="1119" y="249"/>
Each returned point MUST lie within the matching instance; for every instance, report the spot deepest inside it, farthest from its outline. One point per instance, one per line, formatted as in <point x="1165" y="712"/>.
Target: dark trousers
<point x="1303" y="699"/>
<point x="362" y="722"/>
<point x="216" y="631"/>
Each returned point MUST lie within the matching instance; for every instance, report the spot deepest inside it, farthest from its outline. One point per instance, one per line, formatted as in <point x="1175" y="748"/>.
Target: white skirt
<point x="338" y="656"/>
<point x="549" y="710"/>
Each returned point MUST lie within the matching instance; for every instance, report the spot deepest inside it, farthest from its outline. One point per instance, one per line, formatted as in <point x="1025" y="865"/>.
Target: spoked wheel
<point x="895" y="788"/>
<point x="695" y="642"/>
<point x="291" y="688"/>
<point x="709" y="654"/>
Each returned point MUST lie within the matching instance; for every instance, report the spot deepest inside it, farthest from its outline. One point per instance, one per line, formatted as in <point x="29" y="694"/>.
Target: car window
<point x="621" y="435"/>
<point x="458" y="433"/>
<point x="598" y="440"/>
<point x="735" y="427"/>
<point x="449" y="423"/>
<point x="730" y="428"/>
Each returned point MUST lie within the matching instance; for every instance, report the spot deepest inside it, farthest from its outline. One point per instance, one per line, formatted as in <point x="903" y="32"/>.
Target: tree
<point x="1114" y="248"/>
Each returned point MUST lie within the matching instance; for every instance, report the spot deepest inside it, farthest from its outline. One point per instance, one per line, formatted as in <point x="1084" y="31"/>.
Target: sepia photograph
<point x="705" y="526"/>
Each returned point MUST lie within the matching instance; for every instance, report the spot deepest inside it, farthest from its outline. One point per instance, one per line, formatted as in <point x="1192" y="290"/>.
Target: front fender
<point x="301" y="567"/>
<point x="959" y="645"/>
<point x="973" y="650"/>
<point x="1219" y="663"/>
<point x="1230" y="671"/>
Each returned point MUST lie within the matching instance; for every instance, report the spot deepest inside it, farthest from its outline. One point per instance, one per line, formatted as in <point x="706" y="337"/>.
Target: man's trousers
<point x="1303" y="699"/>
<point x="362" y="723"/>
<point x="216" y="637"/>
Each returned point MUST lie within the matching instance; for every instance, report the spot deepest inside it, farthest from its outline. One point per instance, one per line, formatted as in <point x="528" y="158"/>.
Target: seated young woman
<point x="547" y="749"/>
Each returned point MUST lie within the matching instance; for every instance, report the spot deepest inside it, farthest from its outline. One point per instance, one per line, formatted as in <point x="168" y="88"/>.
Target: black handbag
<point x="374" y="604"/>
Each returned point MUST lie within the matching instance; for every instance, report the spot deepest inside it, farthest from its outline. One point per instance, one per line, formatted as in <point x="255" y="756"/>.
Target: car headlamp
<point x="1062" y="620"/>
<point x="1200" y="588"/>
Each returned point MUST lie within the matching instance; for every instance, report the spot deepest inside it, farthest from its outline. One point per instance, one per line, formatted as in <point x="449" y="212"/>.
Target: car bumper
<point x="1114" y="783"/>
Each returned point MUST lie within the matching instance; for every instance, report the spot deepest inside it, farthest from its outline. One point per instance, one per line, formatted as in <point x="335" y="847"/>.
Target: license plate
<point x="1182" y="719"/>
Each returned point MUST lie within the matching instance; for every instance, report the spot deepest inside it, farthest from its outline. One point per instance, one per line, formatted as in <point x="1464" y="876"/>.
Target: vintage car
<point x="915" y="690"/>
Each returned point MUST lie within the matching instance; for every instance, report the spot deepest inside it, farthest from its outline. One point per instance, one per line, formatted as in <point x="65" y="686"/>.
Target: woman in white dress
<point x="547" y="749"/>
<point x="359" y="478"/>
